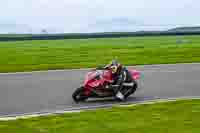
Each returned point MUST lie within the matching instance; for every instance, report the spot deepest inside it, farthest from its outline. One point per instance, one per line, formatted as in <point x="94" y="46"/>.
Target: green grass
<point x="66" y="54"/>
<point x="172" y="117"/>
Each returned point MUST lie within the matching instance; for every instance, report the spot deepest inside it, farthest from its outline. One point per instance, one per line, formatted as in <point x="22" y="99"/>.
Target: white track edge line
<point x="78" y="110"/>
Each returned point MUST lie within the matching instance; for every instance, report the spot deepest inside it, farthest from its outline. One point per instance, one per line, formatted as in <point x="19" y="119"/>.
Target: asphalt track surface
<point x="31" y="92"/>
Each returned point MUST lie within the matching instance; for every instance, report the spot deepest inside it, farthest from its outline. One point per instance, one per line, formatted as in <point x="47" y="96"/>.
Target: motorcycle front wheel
<point x="78" y="95"/>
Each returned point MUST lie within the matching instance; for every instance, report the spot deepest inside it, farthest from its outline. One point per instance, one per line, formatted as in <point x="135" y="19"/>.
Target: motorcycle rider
<point x="120" y="76"/>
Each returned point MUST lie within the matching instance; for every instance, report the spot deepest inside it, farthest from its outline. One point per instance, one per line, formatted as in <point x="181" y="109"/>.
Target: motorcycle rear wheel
<point x="78" y="95"/>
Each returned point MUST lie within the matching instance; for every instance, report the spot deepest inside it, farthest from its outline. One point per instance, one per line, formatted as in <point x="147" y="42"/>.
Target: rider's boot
<point x="119" y="96"/>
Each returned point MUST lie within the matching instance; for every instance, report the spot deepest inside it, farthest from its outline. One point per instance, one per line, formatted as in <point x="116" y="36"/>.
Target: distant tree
<point x="44" y="31"/>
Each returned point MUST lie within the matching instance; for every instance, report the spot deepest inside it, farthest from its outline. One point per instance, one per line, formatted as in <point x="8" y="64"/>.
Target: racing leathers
<point x="121" y="79"/>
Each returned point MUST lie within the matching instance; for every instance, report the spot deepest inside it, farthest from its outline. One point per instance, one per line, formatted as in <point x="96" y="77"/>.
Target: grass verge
<point x="66" y="54"/>
<point x="176" y="117"/>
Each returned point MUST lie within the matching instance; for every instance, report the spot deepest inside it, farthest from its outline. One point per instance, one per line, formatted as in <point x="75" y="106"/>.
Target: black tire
<point x="133" y="89"/>
<point x="78" y="95"/>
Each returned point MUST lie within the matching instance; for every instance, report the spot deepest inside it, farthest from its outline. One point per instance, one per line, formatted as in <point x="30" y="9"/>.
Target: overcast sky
<point x="96" y="15"/>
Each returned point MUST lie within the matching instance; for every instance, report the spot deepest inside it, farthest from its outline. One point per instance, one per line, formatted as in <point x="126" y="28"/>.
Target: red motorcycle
<point x="98" y="84"/>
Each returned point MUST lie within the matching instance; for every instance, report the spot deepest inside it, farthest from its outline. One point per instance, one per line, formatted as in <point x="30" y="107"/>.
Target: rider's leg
<point x="128" y="82"/>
